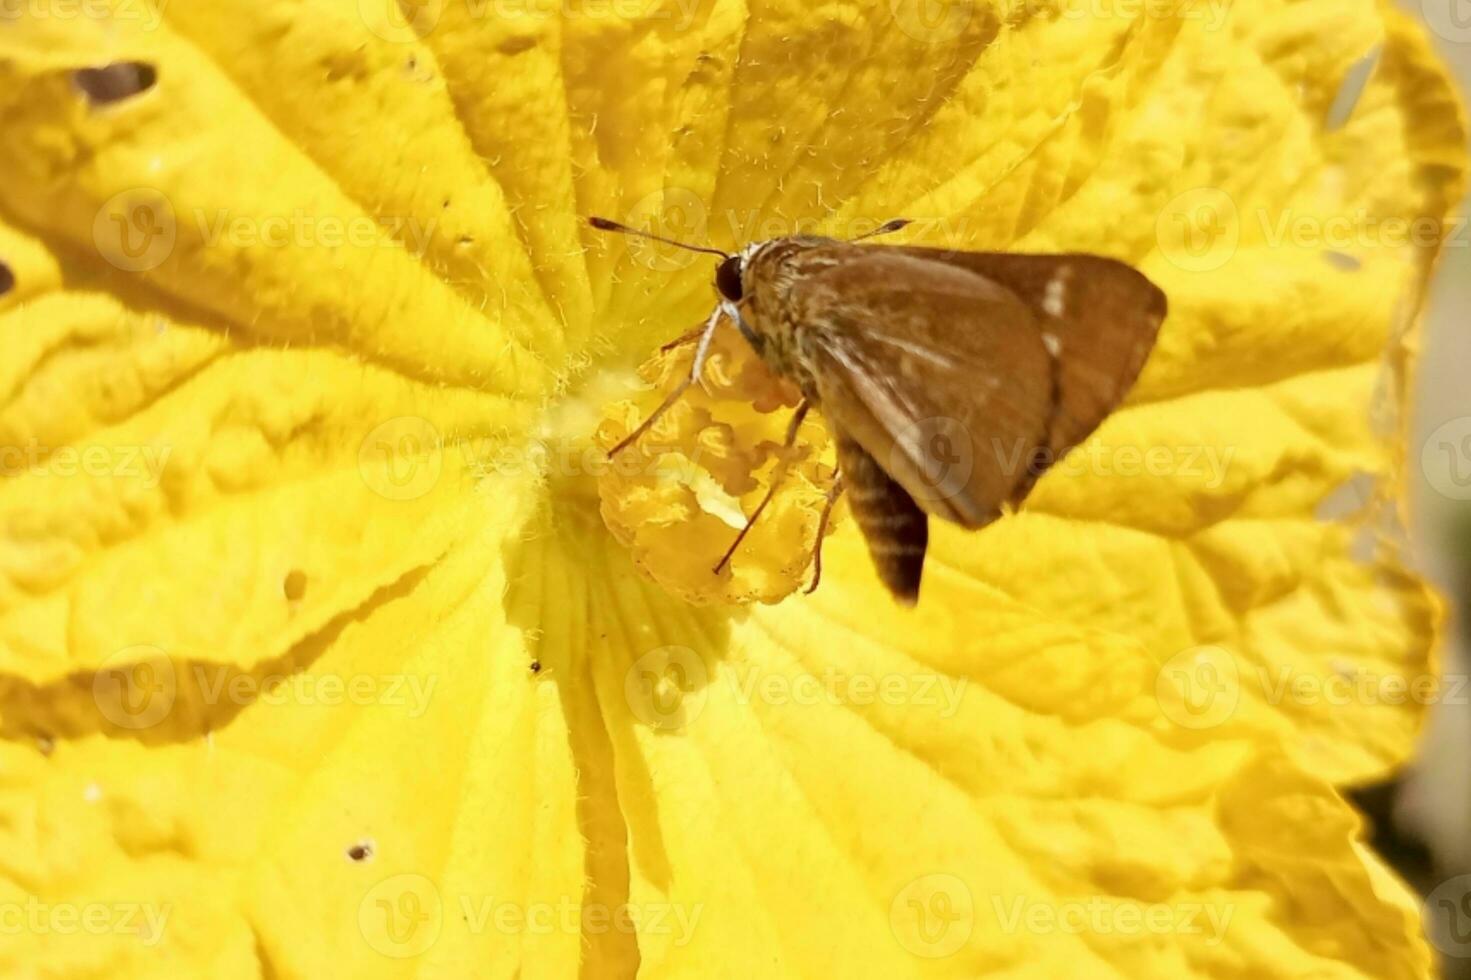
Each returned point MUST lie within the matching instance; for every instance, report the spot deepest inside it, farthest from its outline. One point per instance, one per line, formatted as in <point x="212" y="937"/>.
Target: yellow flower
<point x="317" y="657"/>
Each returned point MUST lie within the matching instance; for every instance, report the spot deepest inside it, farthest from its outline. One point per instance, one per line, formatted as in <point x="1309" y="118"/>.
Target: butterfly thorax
<point x="771" y="270"/>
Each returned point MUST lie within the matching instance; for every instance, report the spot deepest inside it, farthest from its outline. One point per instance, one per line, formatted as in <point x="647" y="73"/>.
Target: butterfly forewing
<point x="1099" y="318"/>
<point x="940" y="374"/>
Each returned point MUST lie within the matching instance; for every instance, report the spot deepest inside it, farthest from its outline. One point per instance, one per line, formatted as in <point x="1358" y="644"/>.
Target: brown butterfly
<point x="949" y="380"/>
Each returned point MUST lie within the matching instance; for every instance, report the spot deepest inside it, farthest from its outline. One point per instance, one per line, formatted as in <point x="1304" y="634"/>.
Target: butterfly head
<point x="728" y="277"/>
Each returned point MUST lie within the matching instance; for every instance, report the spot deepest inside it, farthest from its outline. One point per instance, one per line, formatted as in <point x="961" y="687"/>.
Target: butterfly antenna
<point x="886" y="228"/>
<point x="605" y="224"/>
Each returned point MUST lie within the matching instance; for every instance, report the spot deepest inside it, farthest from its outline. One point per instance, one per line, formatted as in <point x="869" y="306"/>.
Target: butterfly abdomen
<point x="896" y="530"/>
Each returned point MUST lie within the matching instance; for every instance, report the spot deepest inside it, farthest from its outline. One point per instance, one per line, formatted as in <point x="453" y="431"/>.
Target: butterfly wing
<point x="940" y="374"/>
<point x="966" y="373"/>
<point x="1102" y="317"/>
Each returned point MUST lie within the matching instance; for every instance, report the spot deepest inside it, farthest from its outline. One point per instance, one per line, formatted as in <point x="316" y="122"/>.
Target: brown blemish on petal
<point x="115" y="82"/>
<point x="295" y="585"/>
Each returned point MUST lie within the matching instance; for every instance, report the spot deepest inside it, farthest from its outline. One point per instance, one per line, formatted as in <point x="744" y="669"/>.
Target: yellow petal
<point x="355" y="680"/>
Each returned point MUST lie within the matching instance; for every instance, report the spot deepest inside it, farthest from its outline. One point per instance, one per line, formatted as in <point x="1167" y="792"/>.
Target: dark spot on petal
<point x="361" y="851"/>
<point x="7" y="279"/>
<point x="516" y="45"/>
<point x="536" y="666"/>
<point x="1343" y="261"/>
<point x="295" y="585"/>
<point x="115" y="82"/>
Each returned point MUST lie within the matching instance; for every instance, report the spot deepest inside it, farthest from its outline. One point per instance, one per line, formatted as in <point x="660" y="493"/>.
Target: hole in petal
<point x="1350" y="90"/>
<point x="295" y="585"/>
<point x="115" y="82"/>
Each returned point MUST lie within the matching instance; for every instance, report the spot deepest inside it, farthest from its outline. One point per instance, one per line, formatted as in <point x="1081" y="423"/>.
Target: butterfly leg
<point x="706" y="334"/>
<point x="684" y="338"/>
<point x="776" y="480"/>
<point x="822" y="522"/>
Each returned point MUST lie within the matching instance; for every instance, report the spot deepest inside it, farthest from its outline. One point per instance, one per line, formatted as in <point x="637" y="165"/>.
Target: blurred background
<point x="1422" y="821"/>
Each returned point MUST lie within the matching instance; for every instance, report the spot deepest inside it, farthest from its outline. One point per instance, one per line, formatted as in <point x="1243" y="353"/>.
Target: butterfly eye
<point x="728" y="278"/>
